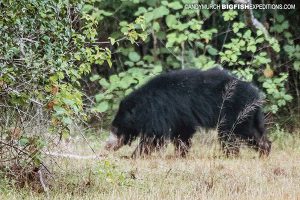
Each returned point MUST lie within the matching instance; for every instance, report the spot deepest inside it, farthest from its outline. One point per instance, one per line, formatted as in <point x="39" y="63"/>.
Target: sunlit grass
<point x="204" y="174"/>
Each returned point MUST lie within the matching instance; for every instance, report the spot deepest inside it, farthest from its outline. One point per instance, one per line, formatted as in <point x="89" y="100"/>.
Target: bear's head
<point x="124" y="129"/>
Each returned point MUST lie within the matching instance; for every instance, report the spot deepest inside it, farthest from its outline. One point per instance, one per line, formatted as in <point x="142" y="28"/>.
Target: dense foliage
<point x="63" y="62"/>
<point x="191" y="38"/>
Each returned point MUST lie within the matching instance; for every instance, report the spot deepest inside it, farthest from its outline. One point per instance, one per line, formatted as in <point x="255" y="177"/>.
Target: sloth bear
<point x="172" y="105"/>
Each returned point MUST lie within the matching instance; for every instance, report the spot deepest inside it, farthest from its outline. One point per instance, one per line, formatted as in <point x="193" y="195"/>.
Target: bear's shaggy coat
<point x="171" y="106"/>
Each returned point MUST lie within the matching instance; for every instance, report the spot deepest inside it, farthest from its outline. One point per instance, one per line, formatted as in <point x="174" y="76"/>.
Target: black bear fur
<point x="171" y="106"/>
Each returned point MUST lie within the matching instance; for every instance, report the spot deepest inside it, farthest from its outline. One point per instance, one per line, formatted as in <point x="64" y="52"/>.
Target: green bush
<point x="175" y="37"/>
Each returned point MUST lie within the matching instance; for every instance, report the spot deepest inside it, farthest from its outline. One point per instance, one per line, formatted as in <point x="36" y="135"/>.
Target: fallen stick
<point x="66" y="155"/>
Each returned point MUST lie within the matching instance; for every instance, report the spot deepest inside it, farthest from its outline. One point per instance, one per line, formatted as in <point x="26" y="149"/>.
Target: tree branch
<point x="250" y="19"/>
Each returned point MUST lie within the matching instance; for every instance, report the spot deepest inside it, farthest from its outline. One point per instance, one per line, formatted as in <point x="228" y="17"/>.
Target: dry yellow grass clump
<point x="204" y="174"/>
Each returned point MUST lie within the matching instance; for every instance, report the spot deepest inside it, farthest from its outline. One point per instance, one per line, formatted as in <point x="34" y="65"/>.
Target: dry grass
<point x="205" y="174"/>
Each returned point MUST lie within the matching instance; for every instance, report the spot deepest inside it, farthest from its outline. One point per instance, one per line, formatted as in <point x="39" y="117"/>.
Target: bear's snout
<point x="113" y="142"/>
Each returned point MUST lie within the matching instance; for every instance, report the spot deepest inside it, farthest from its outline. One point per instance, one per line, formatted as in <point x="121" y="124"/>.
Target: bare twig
<point x="45" y="188"/>
<point x="73" y="156"/>
<point x="22" y="151"/>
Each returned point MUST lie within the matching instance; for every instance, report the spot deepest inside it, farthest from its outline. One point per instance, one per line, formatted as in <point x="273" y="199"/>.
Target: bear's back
<point x="182" y="79"/>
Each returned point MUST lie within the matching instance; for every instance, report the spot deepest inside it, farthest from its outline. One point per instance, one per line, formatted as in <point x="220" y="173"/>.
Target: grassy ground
<point x="205" y="174"/>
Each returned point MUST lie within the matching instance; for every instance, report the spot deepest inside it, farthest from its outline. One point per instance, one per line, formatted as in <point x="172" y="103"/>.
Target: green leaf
<point x="251" y="48"/>
<point x="112" y="40"/>
<point x="175" y="5"/>
<point x="156" y="26"/>
<point x="279" y="18"/>
<point x="129" y="63"/>
<point x="289" y="48"/>
<point x="159" y="12"/>
<point x="94" y="77"/>
<point x="128" y="91"/>
<point x="212" y="51"/>
<point x="109" y="62"/>
<point x="134" y="57"/>
<point x="148" y="16"/>
<point x="141" y="10"/>
<point x="181" y="38"/>
<point x="99" y="97"/>
<point x="67" y="120"/>
<point x="288" y="97"/>
<point x="68" y="101"/>
<point x="23" y="141"/>
<point x="108" y="96"/>
<point x="234" y="58"/>
<point x="103" y="82"/>
<point x="237" y="26"/>
<point x="102" y="107"/>
<point x="114" y="79"/>
<point x="274" y="108"/>
<point x="59" y="110"/>
<point x="297" y="65"/>
<point x="242" y="43"/>
<point x="260" y="40"/>
<point x="247" y="34"/>
<point x="171" y="20"/>
<point x="229" y="15"/>
<point x="77" y="56"/>
<point x="259" y="33"/>
<point x="157" y="69"/>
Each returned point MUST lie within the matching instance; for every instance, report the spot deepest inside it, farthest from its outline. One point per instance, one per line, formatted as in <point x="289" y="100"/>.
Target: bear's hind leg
<point x="230" y="148"/>
<point x="182" y="146"/>
<point x="183" y="140"/>
<point x="230" y="144"/>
